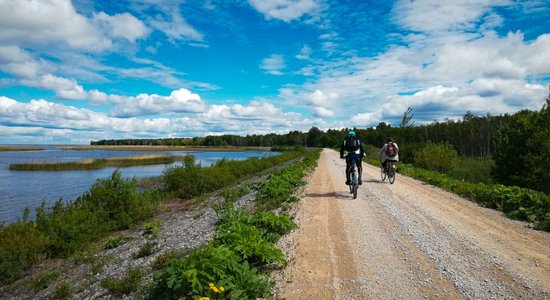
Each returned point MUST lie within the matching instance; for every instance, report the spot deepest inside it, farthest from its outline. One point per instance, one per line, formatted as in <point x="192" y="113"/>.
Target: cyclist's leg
<point x="360" y="170"/>
<point x="348" y="169"/>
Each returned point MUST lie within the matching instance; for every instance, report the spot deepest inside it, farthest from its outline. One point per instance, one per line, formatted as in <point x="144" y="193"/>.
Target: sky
<point x="82" y="70"/>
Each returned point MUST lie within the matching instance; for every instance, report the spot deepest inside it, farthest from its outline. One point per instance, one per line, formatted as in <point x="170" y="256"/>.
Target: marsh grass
<point x="94" y="164"/>
<point x="15" y="148"/>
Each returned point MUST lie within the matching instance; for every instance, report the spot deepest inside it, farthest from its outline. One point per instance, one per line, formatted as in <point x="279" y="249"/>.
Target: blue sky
<point x="81" y="70"/>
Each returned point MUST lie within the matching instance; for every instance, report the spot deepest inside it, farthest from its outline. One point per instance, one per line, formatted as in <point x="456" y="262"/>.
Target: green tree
<point x="522" y="155"/>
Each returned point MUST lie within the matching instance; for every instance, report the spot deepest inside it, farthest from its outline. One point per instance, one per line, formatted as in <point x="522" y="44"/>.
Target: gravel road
<point x="406" y="241"/>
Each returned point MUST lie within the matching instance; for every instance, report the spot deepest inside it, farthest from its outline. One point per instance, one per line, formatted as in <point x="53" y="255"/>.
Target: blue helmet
<point x="351" y="132"/>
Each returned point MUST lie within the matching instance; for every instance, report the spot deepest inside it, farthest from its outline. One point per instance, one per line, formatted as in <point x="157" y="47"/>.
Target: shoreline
<point x="163" y="148"/>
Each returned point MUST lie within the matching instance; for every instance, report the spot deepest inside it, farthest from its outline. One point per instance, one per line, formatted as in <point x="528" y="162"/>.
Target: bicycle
<point x="389" y="171"/>
<point x="354" y="186"/>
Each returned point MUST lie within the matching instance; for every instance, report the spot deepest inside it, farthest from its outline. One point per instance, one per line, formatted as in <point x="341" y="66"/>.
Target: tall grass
<point x="93" y="164"/>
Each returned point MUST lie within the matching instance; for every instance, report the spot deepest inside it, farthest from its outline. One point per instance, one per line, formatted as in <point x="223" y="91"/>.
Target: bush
<point x="436" y="157"/>
<point x="120" y="287"/>
<point x="111" y="204"/>
<point x="192" y="276"/>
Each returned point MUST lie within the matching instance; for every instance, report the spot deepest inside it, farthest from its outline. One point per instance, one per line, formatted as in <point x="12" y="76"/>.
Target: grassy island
<point x="93" y="164"/>
<point x="17" y="148"/>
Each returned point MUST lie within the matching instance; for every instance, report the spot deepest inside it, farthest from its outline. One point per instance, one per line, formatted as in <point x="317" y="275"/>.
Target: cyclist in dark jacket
<point x="352" y="149"/>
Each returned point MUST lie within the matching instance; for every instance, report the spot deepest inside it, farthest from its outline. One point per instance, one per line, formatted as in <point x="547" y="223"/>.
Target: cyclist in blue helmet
<point x="351" y="149"/>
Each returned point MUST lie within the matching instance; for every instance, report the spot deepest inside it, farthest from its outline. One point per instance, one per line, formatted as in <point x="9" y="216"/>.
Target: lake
<point x="21" y="189"/>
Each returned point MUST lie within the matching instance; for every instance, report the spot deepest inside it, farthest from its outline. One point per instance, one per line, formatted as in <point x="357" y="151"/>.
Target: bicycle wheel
<point x="355" y="188"/>
<point x="353" y="181"/>
<point x="382" y="174"/>
<point x="391" y="173"/>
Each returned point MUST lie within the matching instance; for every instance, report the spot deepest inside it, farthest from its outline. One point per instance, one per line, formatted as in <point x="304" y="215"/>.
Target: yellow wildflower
<point x="222" y="289"/>
<point x="204" y="298"/>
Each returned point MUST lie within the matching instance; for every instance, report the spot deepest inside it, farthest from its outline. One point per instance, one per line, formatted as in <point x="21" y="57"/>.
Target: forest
<point x="516" y="147"/>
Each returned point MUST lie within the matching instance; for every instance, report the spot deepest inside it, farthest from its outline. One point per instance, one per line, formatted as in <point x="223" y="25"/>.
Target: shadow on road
<point x="337" y="195"/>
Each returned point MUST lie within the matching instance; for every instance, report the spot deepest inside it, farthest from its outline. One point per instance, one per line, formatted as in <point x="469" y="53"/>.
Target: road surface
<point x="408" y="240"/>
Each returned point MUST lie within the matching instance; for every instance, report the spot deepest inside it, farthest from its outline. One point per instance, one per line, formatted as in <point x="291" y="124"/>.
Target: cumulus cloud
<point x="122" y="25"/>
<point x="28" y="22"/>
<point x="42" y="118"/>
<point x="366" y="119"/>
<point x="285" y="10"/>
<point x="179" y="101"/>
<point x="273" y="64"/>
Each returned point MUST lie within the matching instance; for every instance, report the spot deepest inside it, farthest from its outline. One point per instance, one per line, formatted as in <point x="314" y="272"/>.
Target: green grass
<point x="94" y="164"/>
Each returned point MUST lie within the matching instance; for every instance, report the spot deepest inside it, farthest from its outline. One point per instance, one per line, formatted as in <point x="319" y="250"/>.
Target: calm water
<point x="20" y="189"/>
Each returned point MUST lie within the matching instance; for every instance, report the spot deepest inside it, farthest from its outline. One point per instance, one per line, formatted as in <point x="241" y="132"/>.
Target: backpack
<point x="351" y="143"/>
<point x="391" y="151"/>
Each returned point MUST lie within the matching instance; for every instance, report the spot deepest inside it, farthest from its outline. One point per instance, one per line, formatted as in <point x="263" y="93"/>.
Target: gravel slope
<point x="406" y="241"/>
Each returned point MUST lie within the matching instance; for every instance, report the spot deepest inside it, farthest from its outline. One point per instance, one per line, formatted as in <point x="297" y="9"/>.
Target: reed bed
<point x="94" y="164"/>
<point x="15" y="148"/>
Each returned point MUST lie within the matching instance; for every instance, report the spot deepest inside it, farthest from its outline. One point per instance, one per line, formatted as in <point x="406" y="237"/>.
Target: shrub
<point x="120" y="287"/>
<point x="436" y="157"/>
<point x="192" y="276"/>
<point x="62" y="291"/>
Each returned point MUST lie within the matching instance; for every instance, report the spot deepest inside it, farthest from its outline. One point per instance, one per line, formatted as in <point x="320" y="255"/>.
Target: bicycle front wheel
<point x="391" y="174"/>
<point x="382" y="174"/>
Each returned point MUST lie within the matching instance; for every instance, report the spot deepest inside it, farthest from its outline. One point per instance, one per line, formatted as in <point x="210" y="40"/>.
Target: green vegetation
<point x="522" y="156"/>
<point x="191" y="179"/>
<point x="62" y="291"/>
<point x="114" y="243"/>
<point x="111" y="204"/>
<point x="42" y="281"/>
<point x="235" y="263"/>
<point x="516" y="202"/>
<point x="94" y="164"/>
<point x="145" y="250"/>
<point x="436" y="157"/>
<point x="16" y="148"/>
<point x="121" y="287"/>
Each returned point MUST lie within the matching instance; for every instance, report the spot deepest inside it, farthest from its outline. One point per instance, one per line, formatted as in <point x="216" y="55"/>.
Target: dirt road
<point x="407" y="241"/>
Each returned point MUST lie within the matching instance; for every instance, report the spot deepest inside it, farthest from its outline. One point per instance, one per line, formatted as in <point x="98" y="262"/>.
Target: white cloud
<point x="33" y="23"/>
<point x="285" y="10"/>
<point x="122" y="25"/>
<point x="273" y="64"/>
<point x="179" y="101"/>
<point x="436" y="15"/>
<point x="366" y="119"/>
<point x="322" y="112"/>
<point x="43" y="120"/>
<point x="168" y="19"/>
<point x="305" y="53"/>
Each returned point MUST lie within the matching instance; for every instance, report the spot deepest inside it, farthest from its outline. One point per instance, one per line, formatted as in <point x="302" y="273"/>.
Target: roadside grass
<point x="236" y="263"/>
<point x="93" y="164"/>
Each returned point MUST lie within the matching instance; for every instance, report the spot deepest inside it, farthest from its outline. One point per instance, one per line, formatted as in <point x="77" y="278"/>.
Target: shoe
<point x="348" y="182"/>
<point x="360" y="182"/>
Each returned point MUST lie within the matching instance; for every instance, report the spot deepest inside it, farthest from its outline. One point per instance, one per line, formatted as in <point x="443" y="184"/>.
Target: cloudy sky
<point x="81" y="70"/>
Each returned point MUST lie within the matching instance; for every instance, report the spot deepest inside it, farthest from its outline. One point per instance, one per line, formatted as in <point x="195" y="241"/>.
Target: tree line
<point x="518" y="143"/>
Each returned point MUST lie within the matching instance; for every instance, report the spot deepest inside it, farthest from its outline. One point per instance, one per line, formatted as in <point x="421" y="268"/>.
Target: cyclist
<point x="352" y="149"/>
<point x="389" y="152"/>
